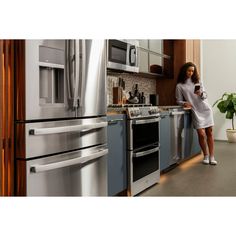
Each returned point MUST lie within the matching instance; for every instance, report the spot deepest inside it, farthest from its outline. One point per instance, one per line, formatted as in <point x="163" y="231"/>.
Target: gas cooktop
<point x="129" y="105"/>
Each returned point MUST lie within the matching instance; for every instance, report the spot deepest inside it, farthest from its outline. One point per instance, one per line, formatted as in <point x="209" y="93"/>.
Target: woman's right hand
<point x="187" y="105"/>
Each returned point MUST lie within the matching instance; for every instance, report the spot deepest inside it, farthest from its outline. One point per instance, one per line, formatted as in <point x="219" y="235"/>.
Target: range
<point x="143" y="131"/>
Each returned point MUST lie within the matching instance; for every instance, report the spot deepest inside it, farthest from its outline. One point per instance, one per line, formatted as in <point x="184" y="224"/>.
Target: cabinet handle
<point x="113" y="122"/>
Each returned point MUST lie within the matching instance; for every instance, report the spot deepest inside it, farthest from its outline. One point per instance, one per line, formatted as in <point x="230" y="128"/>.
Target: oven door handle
<point x="75" y="161"/>
<point x="140" y="154"/>
<point x="65" y="129"/>
<point x="147" y="121"/>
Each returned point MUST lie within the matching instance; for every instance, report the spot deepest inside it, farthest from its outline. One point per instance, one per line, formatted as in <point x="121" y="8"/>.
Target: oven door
<point x="122" y="55"/>
<point x="144" y="169"/>
<point x="143" y="132"/>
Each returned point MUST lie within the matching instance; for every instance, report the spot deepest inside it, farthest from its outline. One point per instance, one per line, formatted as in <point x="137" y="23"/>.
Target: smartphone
<point x="197" y="87"/>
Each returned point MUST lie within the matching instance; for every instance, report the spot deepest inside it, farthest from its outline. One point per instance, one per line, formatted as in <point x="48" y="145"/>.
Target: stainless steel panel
<point x="89" y="89"/>
<point x="93" y="91"/>
<point x="70" y="139"/>
<point x="87" y="179"/>
<point x="140" y="185"/>
<point x="34" y="107"/>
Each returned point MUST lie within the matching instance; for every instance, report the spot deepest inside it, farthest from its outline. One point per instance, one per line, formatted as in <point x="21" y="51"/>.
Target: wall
<point x="218" y="72"/>
<point x="146" y="85"/>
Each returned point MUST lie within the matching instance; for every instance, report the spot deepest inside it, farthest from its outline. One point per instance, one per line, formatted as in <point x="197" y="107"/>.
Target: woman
<point x="190" y="93"/>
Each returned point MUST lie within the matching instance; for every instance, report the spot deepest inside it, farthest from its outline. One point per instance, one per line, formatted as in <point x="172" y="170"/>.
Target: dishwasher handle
<point x="75" y="161"/>
<point x="177" y="113"/>
<point x="65" y="129"/>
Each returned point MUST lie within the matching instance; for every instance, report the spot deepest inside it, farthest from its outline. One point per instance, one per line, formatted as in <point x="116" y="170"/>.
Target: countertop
<point x="122" y="110"/>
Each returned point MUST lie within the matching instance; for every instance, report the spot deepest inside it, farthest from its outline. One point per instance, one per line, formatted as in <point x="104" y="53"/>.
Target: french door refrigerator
<point x="60" y="118"/>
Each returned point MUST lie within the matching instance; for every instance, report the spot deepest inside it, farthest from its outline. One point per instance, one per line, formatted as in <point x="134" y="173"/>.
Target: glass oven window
<point x="145" y="165"/>
<point x="145" y="134"/>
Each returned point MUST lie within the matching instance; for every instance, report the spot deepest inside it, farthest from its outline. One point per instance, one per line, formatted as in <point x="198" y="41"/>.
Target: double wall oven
<point x="143" y="127"/>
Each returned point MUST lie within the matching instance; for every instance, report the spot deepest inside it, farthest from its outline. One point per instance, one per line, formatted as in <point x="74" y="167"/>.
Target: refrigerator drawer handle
<point x="140" y="154"/>
<point x="177" y="113"/>
<point x="65" y="129"/>
<point x="71" y="162"/>
<point x="147" y="121"/>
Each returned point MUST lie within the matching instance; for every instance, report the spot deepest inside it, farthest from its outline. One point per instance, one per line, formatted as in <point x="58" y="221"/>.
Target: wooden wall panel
<point x="166" y="86"/>
<point x="1" y="119"/>
<point x="7" y="117"/>
<point x="183" y="51"/>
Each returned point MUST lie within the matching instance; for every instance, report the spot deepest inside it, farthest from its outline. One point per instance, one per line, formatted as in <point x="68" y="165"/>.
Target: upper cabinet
<point x="152" y="58"/>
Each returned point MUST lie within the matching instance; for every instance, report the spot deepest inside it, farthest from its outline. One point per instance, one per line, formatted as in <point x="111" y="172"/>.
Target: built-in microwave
<point x="123" y="55"/>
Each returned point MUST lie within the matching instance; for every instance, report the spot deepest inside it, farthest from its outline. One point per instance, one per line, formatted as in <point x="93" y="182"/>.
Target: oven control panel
<point x="138" y="112"/>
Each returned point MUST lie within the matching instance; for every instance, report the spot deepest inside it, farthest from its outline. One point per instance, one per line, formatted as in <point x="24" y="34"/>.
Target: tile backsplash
<point x="145" y="85"/>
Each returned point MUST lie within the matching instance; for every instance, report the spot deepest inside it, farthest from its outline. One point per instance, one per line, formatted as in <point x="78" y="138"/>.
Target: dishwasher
<point x="177" y="135"/>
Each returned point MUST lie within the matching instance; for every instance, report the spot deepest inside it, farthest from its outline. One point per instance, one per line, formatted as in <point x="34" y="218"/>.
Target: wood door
<point x="6" y="117"/>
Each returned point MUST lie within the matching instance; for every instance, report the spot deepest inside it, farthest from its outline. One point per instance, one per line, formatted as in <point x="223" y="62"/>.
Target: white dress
<point x="201" y="110"/>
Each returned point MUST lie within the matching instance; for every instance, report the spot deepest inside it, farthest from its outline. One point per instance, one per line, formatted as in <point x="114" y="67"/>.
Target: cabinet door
<point x="117" y="162"/>
<point x="156" y="45"/>
<point x="143" y="61"/>
<point x="195" y="149"/>
<point x="155" y="59"/>
<point x="164" y="142"/>
<point x="143" y="43"/>
<point x="188" y="128"/>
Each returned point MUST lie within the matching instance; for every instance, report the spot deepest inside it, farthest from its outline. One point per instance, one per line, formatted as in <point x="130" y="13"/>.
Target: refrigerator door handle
<point x="75" y="161"/>
<point x="65" y="129"/>
<point x="83" y="72"/>
<point x="76" y="98"/>
<point x="69" y="69"/>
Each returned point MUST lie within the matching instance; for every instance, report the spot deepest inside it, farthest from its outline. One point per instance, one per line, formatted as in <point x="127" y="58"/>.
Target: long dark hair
<point x="182" y="73"/>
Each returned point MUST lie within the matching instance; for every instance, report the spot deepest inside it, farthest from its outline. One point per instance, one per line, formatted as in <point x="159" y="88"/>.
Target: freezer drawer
<point x="46" y="138"/>
<point x="80" y="173"/>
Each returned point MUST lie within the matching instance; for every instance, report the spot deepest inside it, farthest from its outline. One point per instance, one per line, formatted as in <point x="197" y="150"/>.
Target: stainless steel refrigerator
<point x="60" y="118"/>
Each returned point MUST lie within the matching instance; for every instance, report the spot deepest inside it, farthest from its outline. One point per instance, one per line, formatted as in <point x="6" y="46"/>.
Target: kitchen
<point x="57" y="120"/>
<point x="94" y="117"/>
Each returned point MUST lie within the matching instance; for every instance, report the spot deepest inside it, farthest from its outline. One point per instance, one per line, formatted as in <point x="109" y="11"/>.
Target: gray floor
<point x="192" y="178"/>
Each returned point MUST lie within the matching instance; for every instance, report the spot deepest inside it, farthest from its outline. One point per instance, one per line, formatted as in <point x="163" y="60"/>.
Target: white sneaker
<point x="206" y="160"/>
<point x="213" y="161"/>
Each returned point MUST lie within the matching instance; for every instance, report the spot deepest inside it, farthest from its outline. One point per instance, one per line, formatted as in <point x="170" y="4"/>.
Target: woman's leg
<point x="201" y="138"/>
<point x="210" y="140"/>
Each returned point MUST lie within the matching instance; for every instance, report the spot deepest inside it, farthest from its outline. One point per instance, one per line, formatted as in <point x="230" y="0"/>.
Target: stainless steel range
<point x="143" y="130"/>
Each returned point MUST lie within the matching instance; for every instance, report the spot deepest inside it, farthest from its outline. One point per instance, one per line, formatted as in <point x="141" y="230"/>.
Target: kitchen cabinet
<point x="187" y="134"/>
<point x="192" y="146"/>
<point x="151" y="57"/>
<point x="117" y="161"/>
<point x="165" y="141"/>
<point x="195" y="148"/>
<point x="181" y="51"/>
